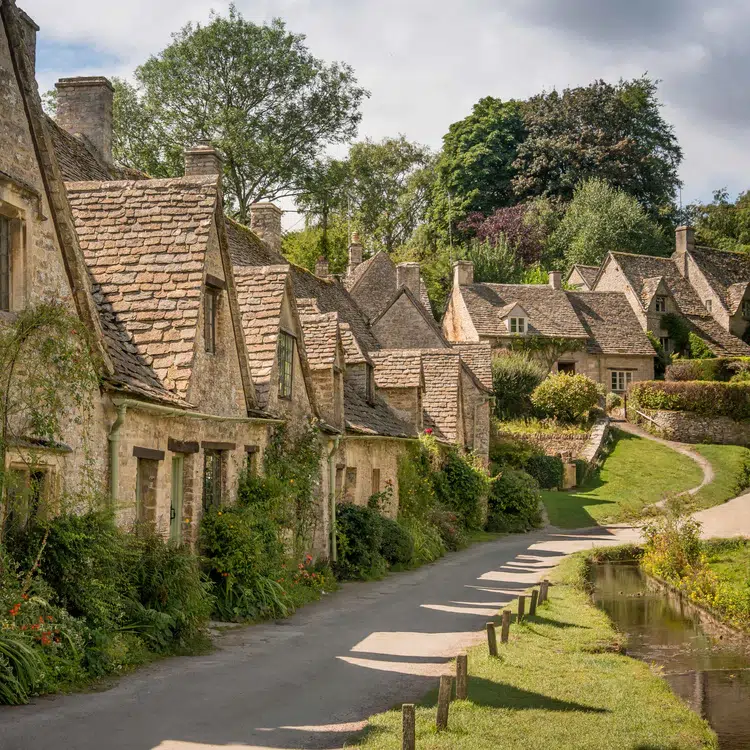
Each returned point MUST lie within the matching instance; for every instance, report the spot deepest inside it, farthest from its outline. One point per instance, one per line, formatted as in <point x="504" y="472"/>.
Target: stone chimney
<point x="202" y="159"/>
<point x="29" y="29"/>
<point x="355" y="252"/>
<point x="463" y="273"/>
<point x="84" y="107"/>
<point x="407" y="274"/>
<point x="265" y="221"/>
<point x="684" y="243"/>
<point x="321" y="267"/>
<point x="555" y="279"/>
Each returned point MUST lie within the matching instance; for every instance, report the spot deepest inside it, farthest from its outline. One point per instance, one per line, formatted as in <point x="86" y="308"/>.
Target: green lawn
<point x="637" y="472"/>
<point x="559" y="683"/>
<point x="727" y="461"/>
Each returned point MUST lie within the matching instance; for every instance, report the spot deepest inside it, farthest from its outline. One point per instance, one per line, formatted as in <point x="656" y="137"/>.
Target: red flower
<point x="428" y="431"/>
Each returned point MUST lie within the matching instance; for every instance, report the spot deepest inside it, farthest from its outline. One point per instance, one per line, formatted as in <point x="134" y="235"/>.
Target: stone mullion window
<point x="286" y="364"/>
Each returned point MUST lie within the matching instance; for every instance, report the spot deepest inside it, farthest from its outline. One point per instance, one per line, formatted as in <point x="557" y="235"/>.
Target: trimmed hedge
<point x="547" y="470"/>
<point x="711" y="399"/>
<point x="719" y="369"/>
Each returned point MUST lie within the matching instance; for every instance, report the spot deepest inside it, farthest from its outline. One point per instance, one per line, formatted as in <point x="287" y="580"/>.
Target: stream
<point x="711" y="673"/>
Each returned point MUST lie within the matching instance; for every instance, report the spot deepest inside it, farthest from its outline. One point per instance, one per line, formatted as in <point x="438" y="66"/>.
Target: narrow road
<point x="311" y="680"/>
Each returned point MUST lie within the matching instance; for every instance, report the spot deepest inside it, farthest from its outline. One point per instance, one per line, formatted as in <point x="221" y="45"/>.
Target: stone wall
<point x="688" y="427"/>
<point x="402" y="326"/>
<point x="551" y="443"/>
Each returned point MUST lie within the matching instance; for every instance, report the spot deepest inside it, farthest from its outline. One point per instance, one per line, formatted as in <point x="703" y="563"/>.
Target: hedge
<point x="719" y="369"/>
<point x="712" y="399"/>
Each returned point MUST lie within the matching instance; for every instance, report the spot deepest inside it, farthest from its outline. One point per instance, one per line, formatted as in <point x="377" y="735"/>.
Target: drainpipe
<point x="332" y="494"/>
<point x="114" y="453"/>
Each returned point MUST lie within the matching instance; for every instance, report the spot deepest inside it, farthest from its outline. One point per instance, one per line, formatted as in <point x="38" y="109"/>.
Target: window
<point x="209" y="332"/>
<point x="178" y="490"/>
<point x="746" y="309"/>
<point x="145" y="491"/>
<point x="350" y="482"/>
<point x="661" y="304"/>
<point x="569" y="368"/>
<point x="27" y="490"/>
<point x="251" y="461"/>
<point x="5" y="274"/>
<point x="368" y="383"/>
<point x="338" y="390"/>
<point x="666" y="344"/>
<point x="286" y="364"/>
<point x="517" y="325"/>
<point x="621" y="379"/>
<point x="708" y="305"/>
<point x="213" y="479"/>
<point x="375" y="481"/>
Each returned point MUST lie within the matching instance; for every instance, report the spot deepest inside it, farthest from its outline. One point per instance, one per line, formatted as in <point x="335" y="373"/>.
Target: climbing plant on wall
<point x="546" y="349"/>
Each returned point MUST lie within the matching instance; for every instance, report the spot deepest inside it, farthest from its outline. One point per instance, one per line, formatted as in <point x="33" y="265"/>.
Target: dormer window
<point x="286" y="364"/>
<point x="661" y="304"/>
<point x="708" y="305"/>
<point x="517" y="325"/>
<point x="746" y="309"/>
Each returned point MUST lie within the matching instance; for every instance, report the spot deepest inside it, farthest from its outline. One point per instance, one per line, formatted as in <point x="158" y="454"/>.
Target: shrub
<point x="742" y="480"/>
<point x="514" y="502"/>
<point x="699" y="349"/>
<point x="614" y="401"/>
<point x="512" y="452"/>
<point x="428" y="543"/>
<point x="461" y="486"/>
<point x="568" y="398"/>
<point x="721" y="369"/>
<point x="397" y="544"/>
<point x="673" y="545"/>
<point x="359" y="536"/>
<point x="448" y="525"/>
<point x="706" y="398"/>
<point x="547" y="470"/>
<point x="514" y="377"/>
<point x="20" y="668"/>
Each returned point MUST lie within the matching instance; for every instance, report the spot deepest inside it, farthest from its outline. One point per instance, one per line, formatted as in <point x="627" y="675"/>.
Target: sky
<point x="426" y="62"/>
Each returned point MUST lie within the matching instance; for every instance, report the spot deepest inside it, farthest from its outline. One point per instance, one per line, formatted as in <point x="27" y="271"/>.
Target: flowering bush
<point x="568" y="398"/>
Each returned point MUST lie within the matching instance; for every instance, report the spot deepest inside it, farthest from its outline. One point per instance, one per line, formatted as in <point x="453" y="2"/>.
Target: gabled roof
<point x="247" y="249"/>
<point x="145" y="246"/>
<point x="442" y="377"/>
<point x="644" y="272"/>
<point x="611" y="324"/>
<point x="398" y="368"/>
<point x="587" y="273"/>
<point x="477" y="356"/>
<point x="549" y="310"/>
<point x="719" y="341"/>
<point x="372" y="419"/>
<point x="727" y="273"/>
<point x="418" y="306"/>
<point x="321" y="332"/>
<point x="353" y="352"/>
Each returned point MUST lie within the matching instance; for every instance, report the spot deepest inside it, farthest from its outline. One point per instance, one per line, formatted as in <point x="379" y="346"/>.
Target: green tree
<point x="610" y="131"/>
<point x="305" y="246"/>
<point x="474" y="171"/>
<point x="254" y="91"/>
<point x="600" y="219"/>
<point x="722" y="223"/>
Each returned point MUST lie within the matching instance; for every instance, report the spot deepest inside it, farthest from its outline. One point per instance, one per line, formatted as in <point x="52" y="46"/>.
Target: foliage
<point x="514" y="378"/>
<point x="663" y="358"/>
<point x="461" y="486"/>
<point x="306" y="581"/>
<point x="494" y="262"/>
<point x="428" y="542"/>
<point x="359" y="537"/>
<point x="546" y="349"/>
<point x="397" y="544"/>
<point x="613" y="401"/>
<point x="514" y="502"/>
<point x="512" y="452"/>
<point x="711" y="399"/>
<point x="20" y="668"/>
<point x="723" y="223"/>
<point x="449" y="527"/>
<point x="546" y="470"/>
<point x="722" y="369"/>
<point x="699" y="349"/>
<point x="304" y="247"/>
<point x="678" y="331"/>
<point x="673" y="547"/>
<point x="612" y="132"/>
<point x="568" y="398"/>
<point x="254" y="91"/>
<point x="601" y="218"/>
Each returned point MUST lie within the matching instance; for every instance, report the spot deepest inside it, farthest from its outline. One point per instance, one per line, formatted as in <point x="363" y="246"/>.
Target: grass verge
<point x="560" y="683"/>
<point x="637" y="472"/>
<point x="727" y="462"/>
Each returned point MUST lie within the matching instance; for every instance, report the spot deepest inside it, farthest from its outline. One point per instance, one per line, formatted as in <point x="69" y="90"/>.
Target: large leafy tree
<point x="255" y="91"/>
<point x="600" y="219"/>
<point x="723" y="223"/>
<point x="610" y="131"/>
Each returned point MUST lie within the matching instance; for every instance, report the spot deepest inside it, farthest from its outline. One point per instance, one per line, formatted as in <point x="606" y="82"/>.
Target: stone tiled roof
<point x="588" y="273"/>
<point x="398" y="368"/>
<point x="352" y="278"/>
<point x="442" y="372"/>
<point x="321" y="333"/>
<point x="478" y="358"/>
<point x="727" y="273"/>
<point x="550" y="312"/>
<point x="247" y="249"/>
<point x="260" y="290"/>
<point x="720" y="342"/>
<point x="145" y="246"/>
<point x="644" y="272"/>
<point x="372" y="419"/>
<point x="353" y="352"/>
<point x="611" y="324"/>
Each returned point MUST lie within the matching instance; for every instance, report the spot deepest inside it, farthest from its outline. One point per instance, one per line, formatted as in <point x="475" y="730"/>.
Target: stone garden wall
<point x="689" y="427"/>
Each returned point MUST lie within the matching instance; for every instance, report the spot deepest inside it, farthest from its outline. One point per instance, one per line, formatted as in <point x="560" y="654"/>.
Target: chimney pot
<point x="321" y="267"/>
<point x="265" y="221"/>
<point x="355" y="252"/>
<point x="202" y="159"/>
<point x="407" y="274"/>
<point x="29" y="29"/>
<point x="555" y="279"/>
<point x="463" y="273"/>
<point x="84" y="107"/>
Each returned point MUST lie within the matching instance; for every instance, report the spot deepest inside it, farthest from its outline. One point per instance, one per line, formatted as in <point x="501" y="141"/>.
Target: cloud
<point x="427" y="62"/>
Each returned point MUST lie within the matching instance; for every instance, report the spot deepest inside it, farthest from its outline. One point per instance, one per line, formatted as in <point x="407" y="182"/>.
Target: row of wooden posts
<point x="462" y="669"/>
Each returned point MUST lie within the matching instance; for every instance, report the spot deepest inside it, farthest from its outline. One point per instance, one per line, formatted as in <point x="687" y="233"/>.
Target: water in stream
<point x="709" y="672"/>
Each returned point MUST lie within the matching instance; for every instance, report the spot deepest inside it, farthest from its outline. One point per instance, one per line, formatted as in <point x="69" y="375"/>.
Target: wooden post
<point x="543" y="587"/>
<point x="409" y="729"/>
<point x="444" y="700"/>
<point x="462" y="677"/>
<point x="532" y="605"/>
<point x="491" y="638"/>
<point x="521" y="607"/>
<point x="506" y="626"/>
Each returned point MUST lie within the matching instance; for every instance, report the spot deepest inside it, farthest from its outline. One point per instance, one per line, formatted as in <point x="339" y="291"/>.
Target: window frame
<point x="620" y="377"/>
<point x="660" y="303"/>
<point x="210" y="316"/>
<point x="519" y="323"/>
<point x="709" y="305"/>
<point x="666" y="344"/>
<point x="6" y="259"/>
<point x="213" y="484"/>
<point x="285" y="357"/>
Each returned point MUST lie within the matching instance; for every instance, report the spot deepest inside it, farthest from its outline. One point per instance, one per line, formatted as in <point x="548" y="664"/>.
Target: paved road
<point x="309" y="681"/>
